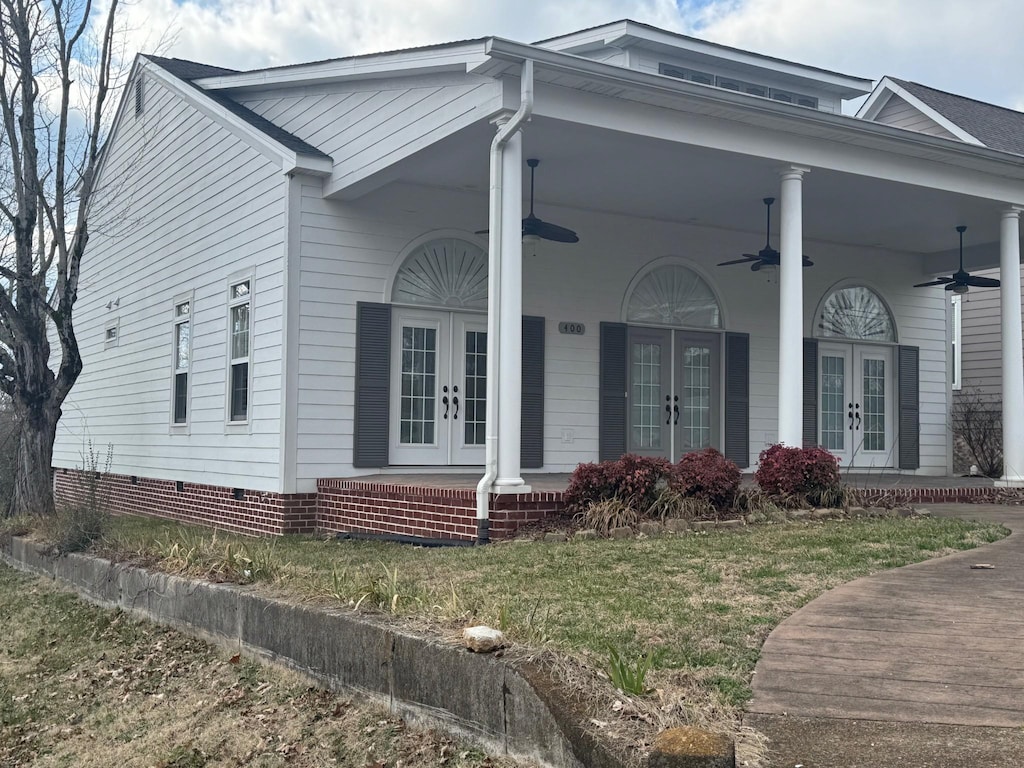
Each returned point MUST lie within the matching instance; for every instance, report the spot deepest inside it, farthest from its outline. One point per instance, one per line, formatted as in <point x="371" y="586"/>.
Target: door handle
<point x="857" y="413"/>
<point x="444" y="402"/>
<point x="850" y="414"/>
<point x="455" y="401"/>
<point x="668" y="410"/>
<point x="675" y="409"/>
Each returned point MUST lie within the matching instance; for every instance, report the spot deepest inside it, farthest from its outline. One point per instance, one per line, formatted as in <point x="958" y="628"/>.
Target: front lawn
<point x="701" y="603"/>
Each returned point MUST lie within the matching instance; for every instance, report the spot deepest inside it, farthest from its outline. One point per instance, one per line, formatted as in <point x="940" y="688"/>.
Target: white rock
<point x="482" y="639"/>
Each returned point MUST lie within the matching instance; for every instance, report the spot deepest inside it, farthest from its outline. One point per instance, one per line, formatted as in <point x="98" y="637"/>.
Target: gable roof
<point x="192" y="70"/>
<point x="994" y="126"/>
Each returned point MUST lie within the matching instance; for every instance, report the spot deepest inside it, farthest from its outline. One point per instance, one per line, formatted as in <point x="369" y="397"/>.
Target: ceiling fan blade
<point x="745" y="260"/>
<point x="482" y="232"/>
<point x="548" y="231"/>
<point x="936" y="281"/>
<point x="982" y="282"/>
<point x="756" y="266"/>
<point x="807" y="262"/>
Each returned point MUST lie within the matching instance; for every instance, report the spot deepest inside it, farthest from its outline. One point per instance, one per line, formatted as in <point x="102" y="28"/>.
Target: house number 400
<point x="573" y="329"/>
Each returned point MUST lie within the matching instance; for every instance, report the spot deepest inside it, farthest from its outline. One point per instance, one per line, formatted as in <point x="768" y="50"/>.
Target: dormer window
<point x="794" y="98"/>
<point x="692" y="75"/>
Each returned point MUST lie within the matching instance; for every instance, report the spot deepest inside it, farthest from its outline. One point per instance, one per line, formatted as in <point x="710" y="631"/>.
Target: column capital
<point x="502" y="117"/>
<point x="1013" y="211"/>
<point x="793" y="172"/>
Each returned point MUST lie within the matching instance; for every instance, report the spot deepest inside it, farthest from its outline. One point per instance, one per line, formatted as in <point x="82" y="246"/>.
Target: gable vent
<point x="139" y="93"/>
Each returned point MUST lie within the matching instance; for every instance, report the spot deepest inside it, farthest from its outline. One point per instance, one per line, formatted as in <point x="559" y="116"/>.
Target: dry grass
<point x="92" y="688"/>
<point x="701" y="604"/>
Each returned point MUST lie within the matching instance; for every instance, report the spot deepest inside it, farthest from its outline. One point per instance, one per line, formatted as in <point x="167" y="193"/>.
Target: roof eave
<point x="504" y="50"/>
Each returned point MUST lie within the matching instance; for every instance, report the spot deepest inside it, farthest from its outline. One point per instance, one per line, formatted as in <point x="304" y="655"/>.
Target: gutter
<point x="501" y="138"/>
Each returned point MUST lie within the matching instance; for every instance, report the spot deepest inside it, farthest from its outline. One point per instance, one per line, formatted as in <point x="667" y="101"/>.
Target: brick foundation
<point x="353" y="505"/>
<point x="434" y="513"/>
<point x="256" y="513"/>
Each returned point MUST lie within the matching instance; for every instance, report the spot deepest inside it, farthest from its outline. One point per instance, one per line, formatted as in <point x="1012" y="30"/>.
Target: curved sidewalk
<point x="936" y="642"/>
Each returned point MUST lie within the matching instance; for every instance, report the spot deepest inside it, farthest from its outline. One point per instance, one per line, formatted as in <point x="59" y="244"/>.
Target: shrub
<point x="707" y="475"/>
<point x="809" y="473"/>
<point x="634" y="480"/>
<point x="83" y="519"/>
<point x="978" y="425"/>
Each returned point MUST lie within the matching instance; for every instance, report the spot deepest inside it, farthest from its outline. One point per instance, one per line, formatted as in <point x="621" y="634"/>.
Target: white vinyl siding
<point x="981" y="340"/>
<point x="368" y="126"/>
<point x="900" y="113"/>
<point x="203" y="206"/>
<point x="350" y="251"/>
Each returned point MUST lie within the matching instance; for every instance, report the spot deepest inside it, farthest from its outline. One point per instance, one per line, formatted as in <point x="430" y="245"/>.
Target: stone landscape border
<point x="511" y="708"/>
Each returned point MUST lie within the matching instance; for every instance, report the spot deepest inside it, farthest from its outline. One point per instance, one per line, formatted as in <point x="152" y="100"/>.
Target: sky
<point x="969" y="48"/>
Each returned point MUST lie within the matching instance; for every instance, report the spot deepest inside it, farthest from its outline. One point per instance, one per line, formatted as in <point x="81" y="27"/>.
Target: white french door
<point x="673" y="402"/>
<point x="856" y="403"/>
<point x="438" y="388"/>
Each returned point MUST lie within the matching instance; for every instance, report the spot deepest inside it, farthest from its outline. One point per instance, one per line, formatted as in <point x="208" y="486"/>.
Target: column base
<point x="513" y="485"/>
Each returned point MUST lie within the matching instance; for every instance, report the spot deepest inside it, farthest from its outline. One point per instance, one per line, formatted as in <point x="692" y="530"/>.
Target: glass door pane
<point x="650" y="412"/>
<point x="419" y="386"/>
<point x="475" y="396"/>
<point x="696" y="398"/>
<point x="421" y="406"/>
<point x="833" y="402"/>
<point x="873" y="402"/>
<point x="468" y="390"/>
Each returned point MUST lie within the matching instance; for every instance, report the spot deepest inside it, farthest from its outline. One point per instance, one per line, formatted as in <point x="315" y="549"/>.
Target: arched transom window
<point x="675" y="296"/>
<point x="447" y="272"/>
<point x="856" y="312"/>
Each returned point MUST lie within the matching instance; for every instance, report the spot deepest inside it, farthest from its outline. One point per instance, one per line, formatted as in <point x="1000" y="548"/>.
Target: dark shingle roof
<point x="995" y="127"/>
<point x="191" y="70"/>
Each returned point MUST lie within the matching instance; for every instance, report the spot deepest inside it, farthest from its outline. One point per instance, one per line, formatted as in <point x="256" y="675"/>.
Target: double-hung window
<point x="239" y="325"/>
<point x="182" y="361"/>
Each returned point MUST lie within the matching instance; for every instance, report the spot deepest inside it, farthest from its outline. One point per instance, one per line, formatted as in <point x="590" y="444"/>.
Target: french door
<point x="673" y="399"/>
<point x="856" y="403"/>
<point x="438" y="388"/>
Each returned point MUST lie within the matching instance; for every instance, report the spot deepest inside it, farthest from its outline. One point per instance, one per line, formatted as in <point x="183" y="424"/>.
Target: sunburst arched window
<point x="447" y="272"/>
<point x="858" y="313"/>
<point x="676" y="296"/>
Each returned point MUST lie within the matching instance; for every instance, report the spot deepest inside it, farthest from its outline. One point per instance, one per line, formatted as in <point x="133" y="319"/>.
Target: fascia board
<point x="807" y="121"/>
<point x="289" y="160"/>
<point x="451" y="58"/>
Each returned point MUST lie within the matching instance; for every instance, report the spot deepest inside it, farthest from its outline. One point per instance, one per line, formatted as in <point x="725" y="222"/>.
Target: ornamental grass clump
<point x="808" y="474"/>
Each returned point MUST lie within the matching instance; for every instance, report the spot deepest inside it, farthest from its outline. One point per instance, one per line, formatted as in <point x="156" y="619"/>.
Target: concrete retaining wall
<point x="515" y="711"/>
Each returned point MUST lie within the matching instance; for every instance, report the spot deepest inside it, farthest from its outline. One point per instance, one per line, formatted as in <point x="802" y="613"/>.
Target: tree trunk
<point x="33" y="483"/>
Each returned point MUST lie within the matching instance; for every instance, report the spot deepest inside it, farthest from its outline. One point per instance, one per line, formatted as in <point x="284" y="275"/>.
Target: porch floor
<point x="558" y="481"/>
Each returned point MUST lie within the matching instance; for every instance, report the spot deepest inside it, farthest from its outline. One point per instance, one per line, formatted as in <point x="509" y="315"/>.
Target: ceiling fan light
<point x="531" y="239"/>
<point x="961" y="289"/>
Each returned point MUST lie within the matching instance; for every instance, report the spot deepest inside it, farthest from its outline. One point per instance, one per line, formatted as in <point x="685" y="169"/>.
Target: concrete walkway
<point x="934" y="643"/>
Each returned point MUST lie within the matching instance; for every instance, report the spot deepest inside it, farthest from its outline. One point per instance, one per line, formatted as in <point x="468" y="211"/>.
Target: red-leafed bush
<point x="807" y="472"/>
<point x="635" y="480"/>
<point x="707" y="475"/>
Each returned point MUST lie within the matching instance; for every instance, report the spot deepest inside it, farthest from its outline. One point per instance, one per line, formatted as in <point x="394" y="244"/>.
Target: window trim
<point x="238" y="425"/>
<point x="183" y="427"/>
<point x="956" y="305"/>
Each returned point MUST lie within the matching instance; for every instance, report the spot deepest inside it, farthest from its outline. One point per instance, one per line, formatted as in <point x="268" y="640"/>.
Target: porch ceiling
<point x="593" y="168"/>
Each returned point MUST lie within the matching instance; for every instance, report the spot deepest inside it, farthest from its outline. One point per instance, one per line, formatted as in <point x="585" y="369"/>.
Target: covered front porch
<point x="641" y="337"/>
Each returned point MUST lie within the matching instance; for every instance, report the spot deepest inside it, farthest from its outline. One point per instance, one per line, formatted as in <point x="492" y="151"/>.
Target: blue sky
<point x="970" y="48"/>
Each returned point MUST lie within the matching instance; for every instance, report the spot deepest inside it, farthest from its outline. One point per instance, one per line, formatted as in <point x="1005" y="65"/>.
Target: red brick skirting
<point x="433" y="513"/>
<point x="256" y="513"/>
<point x="358" y="506"/>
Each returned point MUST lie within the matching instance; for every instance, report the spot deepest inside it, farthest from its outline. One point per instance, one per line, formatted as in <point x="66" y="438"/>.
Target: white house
<point x="288" y="287"/>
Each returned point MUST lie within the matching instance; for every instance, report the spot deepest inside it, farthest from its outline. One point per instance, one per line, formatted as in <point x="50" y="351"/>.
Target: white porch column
<point x="510" y="342"/>
<point x="791" y="307"/>
<point x="1013" y="354"/>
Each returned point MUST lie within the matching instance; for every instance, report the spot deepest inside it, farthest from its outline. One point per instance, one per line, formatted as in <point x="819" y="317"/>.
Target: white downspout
<point x="505" y="132"/>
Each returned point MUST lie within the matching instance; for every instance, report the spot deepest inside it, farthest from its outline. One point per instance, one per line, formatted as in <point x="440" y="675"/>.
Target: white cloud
<point x="967" y="48"/>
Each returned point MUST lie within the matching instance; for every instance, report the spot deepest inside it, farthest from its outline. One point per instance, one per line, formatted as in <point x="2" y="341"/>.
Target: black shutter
<point x="612" y="392"/>
<point x="373" y="384"/>
<point x="910" y="408"/>
<point x="810" y="393"/>
<point x="737" y="398"/>
<point x="531" y="452"/>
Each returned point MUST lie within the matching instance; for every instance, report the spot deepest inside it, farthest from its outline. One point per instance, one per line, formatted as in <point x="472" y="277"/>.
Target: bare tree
<point x="57" y="81"/>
